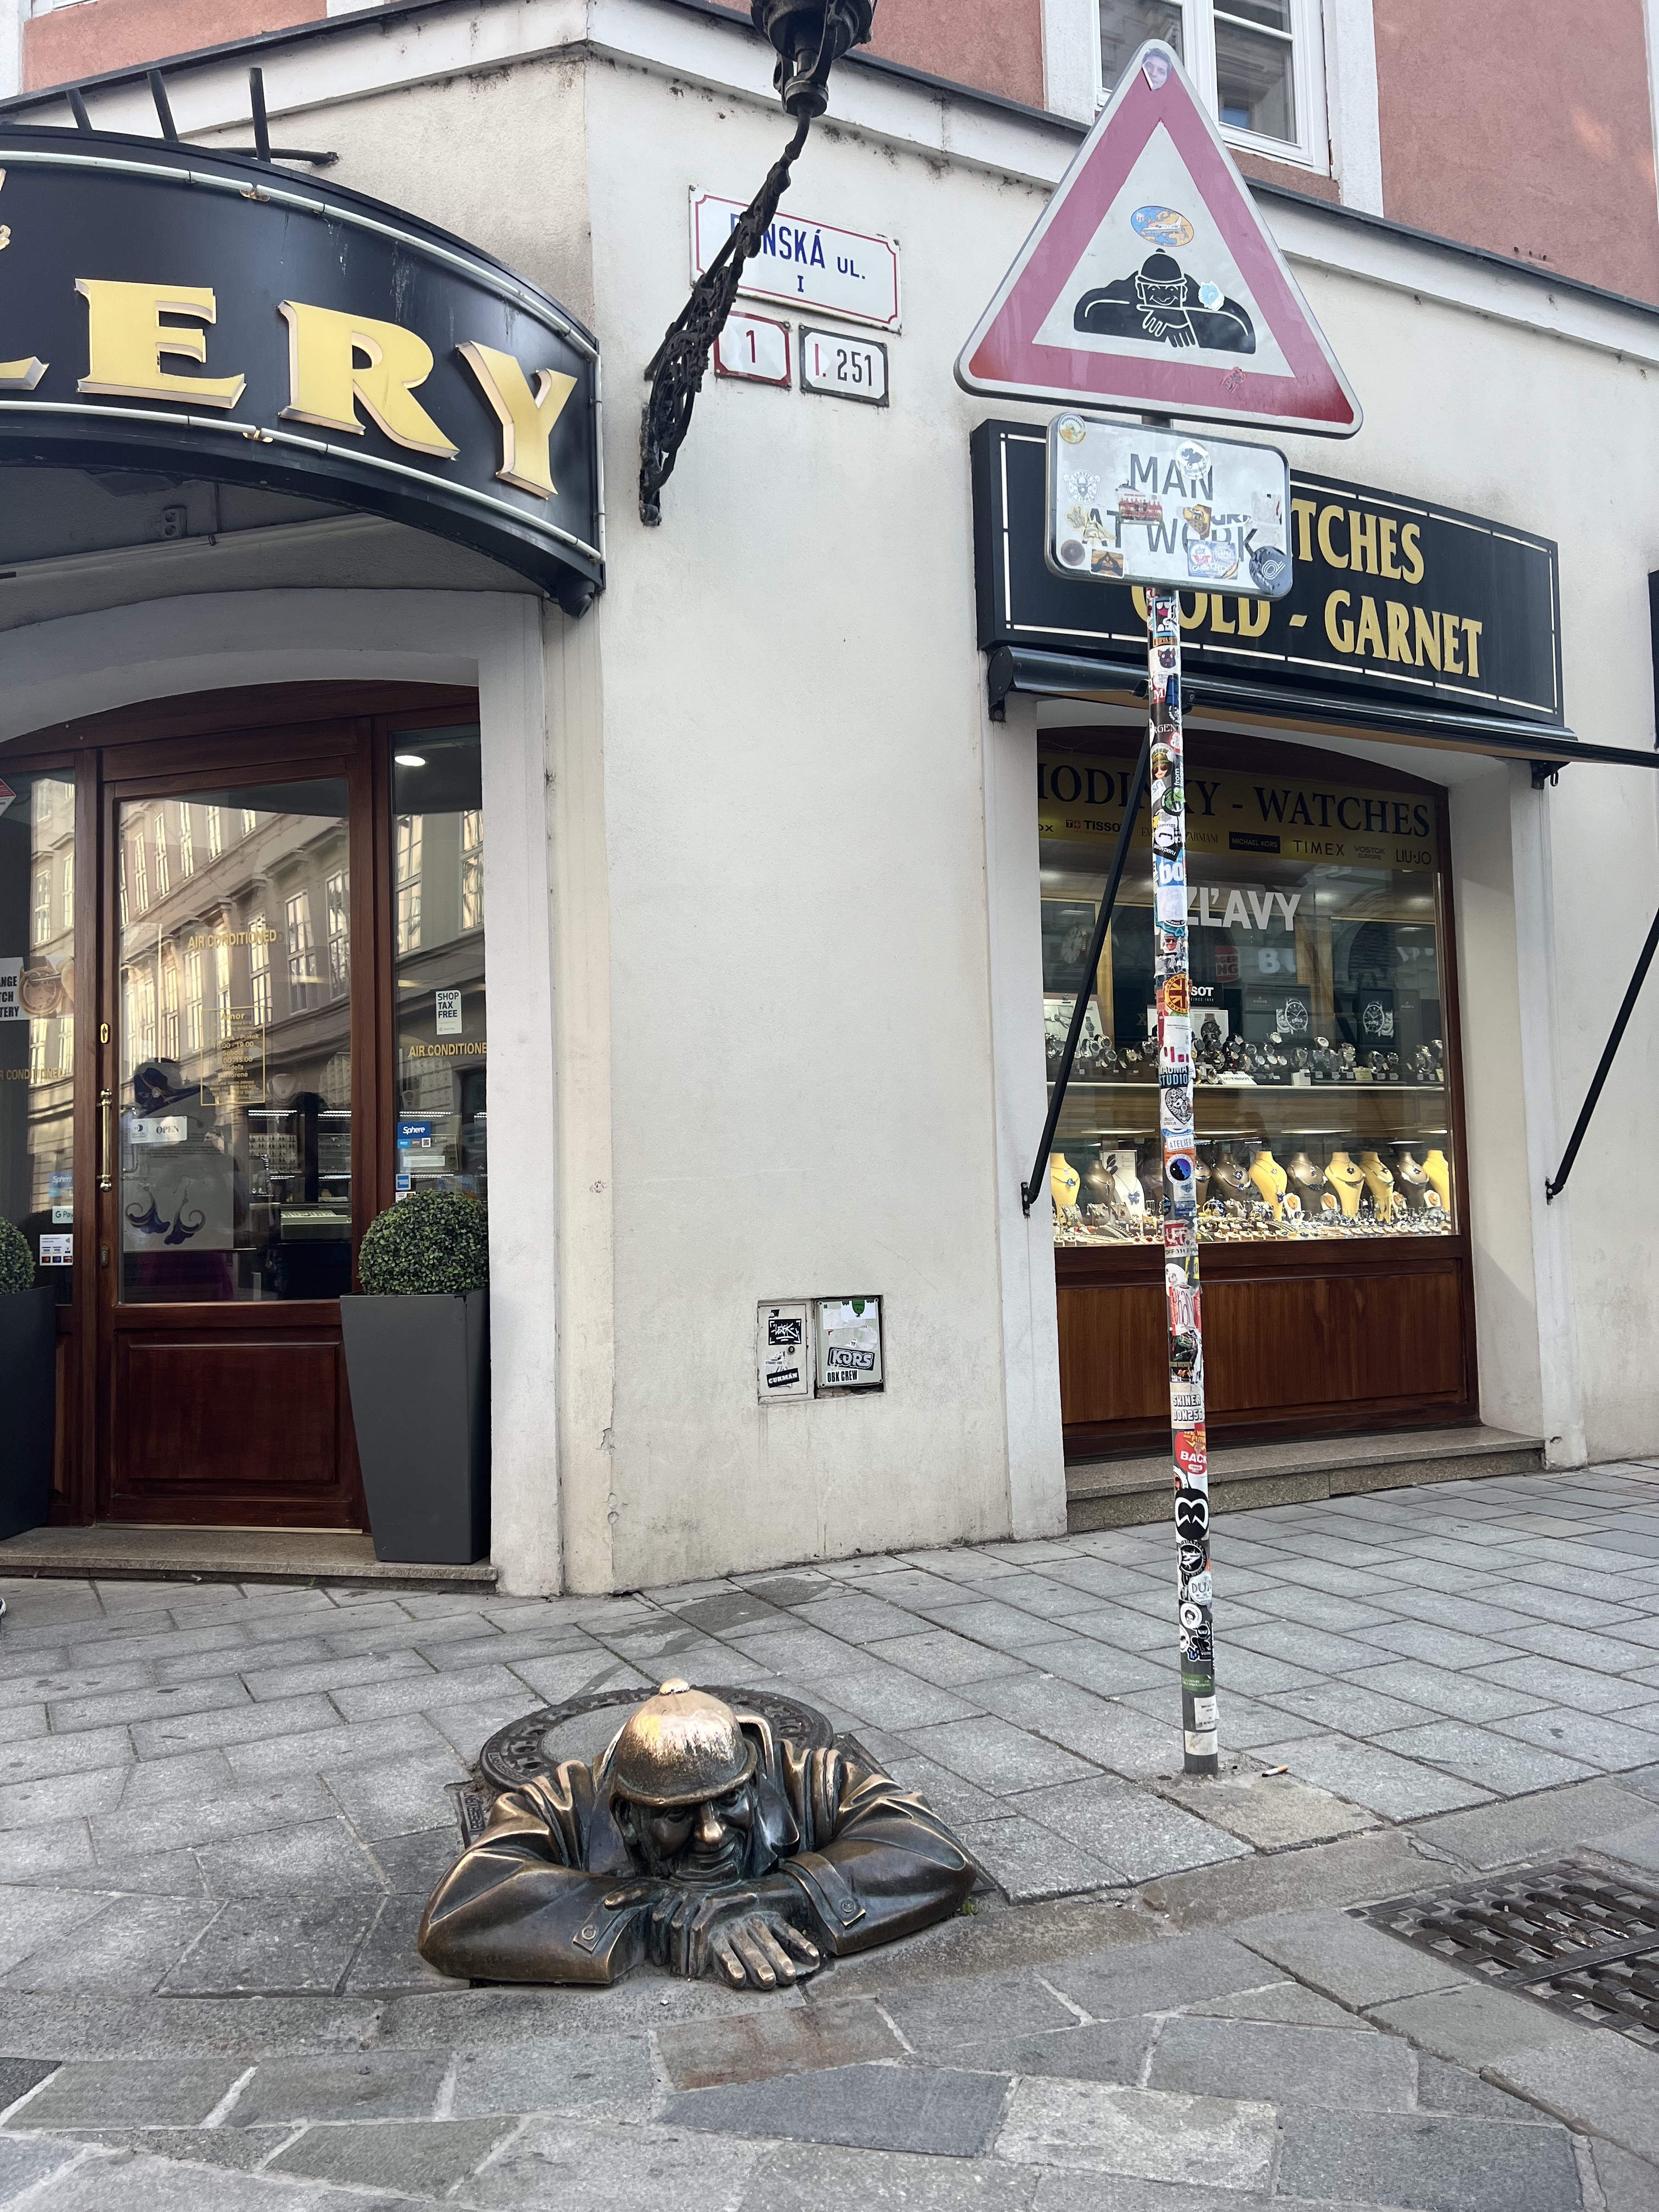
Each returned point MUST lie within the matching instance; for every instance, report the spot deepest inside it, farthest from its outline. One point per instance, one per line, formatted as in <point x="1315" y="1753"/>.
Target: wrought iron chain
<point x="681" y="362"/>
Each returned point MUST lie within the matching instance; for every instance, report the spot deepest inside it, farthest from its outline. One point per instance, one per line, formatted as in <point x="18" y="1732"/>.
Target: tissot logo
<point x="274" y="333"/>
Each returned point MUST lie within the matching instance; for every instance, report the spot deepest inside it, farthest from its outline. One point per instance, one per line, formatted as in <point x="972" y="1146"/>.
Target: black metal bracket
<point x="1029" y="1188"/>
<point x="1557" y="1184"/>
<point x="678" y="367"/>
<point x="809" y="37"/>
<point x="262" y="148"/>
<point x="1545" y="772"/>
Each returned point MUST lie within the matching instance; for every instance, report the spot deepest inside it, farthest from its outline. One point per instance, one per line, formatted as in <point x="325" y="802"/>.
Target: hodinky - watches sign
<point x="1392" y="595"/>
<point x="167" y="306"/>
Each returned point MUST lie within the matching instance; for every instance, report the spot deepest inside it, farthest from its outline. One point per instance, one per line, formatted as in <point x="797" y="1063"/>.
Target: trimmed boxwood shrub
<point x="435" y="1244"/>
<point x="16" y="1261"/>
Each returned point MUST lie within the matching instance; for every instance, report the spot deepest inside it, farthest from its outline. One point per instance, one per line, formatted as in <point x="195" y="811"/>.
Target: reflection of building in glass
<point x="438" y="873"/>
<point x="221" y="979"/>
<point x="407" y="843"/>
<point x="339" y="932"/>
<point x="259" y="962"/>
<point x="301" y="954"/>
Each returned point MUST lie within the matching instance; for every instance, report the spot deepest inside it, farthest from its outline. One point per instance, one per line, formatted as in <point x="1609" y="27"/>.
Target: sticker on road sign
<point x="1220" y="507"/>
<point x="756" y="348"/>
<point x="846" y="367"/>
<point x="1151" y="282"/>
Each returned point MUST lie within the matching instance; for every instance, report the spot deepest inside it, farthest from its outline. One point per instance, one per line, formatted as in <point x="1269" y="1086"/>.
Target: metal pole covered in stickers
<point x="1175" y="1097"/>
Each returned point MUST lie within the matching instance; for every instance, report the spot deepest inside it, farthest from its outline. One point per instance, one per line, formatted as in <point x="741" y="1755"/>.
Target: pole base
<point x="1207" y="1762"/>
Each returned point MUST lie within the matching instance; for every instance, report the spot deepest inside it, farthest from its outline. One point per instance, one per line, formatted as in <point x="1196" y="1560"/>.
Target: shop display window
<point x="1316" y="933"/>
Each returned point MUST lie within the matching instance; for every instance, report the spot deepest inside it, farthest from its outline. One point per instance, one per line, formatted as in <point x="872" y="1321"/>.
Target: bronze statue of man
<point x="700" y="1840"/>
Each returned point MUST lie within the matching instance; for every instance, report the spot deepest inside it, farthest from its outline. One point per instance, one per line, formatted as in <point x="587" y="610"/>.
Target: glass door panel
<point x="37" y="1018"/>
<point x="232" y="1007"/>
<point x="438" y="960"/>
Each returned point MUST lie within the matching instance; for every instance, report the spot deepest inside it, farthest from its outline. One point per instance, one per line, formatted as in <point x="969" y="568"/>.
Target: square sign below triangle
<point x="1152" y="283"/>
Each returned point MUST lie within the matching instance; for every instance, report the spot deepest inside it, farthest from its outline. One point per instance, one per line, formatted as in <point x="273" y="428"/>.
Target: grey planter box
<point x="28" y="1407"/>
<point x="419" y="1372"/>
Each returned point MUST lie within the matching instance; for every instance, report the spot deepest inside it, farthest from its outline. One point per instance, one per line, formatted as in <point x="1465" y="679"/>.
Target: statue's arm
<point x="879" y="1864"/>
<point x="518" y="1905"/>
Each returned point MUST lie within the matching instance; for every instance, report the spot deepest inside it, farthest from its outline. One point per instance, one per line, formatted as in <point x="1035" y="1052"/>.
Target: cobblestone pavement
<point x="221" y="1810"/>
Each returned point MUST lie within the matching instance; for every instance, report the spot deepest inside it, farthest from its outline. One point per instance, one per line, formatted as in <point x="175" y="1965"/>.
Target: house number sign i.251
<point x="846" y="367"/>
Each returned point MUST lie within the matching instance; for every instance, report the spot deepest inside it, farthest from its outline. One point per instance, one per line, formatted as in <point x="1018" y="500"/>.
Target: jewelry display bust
<point x="1305" y="1179"/>
<point x="1380" y="1183"/>
<point x="703" y="1838"/>
<point x="1438" y="1172"/>
<point x="1270" y="1180"/>
<point x="1413" y="1184"/>
<point x="1347" y="1181"/>
<point x="1126" y="1184"/>
<point x="1063" y="1183"/>
<point x="1228" y="1181"/>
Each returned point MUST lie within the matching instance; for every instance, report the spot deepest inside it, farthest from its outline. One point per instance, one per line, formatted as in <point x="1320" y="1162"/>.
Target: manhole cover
<point x="1579" y="1941"/>
<point x="581" y="1728"/>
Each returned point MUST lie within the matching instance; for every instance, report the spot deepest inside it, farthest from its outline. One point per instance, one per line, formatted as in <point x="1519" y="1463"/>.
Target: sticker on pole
<point x="1151" y="281"/>
<point x="1135" y="506"/>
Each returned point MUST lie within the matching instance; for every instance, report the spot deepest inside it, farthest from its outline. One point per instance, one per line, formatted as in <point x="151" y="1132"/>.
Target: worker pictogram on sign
<point x="1151" y="282"/>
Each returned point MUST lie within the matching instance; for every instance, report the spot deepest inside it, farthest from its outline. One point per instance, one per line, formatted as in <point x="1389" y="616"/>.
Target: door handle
<point x="106" y="1177"/>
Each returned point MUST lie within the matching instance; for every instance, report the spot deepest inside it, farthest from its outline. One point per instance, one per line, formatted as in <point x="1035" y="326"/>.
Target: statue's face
<point x="701" y="1846"/>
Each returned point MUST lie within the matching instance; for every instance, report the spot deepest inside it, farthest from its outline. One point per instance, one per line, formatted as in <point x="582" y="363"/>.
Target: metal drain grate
<point x="1580" y="1942"/>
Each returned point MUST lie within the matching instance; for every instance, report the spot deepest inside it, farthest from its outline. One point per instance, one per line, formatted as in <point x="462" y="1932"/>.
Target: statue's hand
<point x="741" y="1935"/>
<point x="762" y="1950"/>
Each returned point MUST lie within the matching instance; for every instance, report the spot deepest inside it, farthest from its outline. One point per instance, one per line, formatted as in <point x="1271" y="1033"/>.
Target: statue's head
<point x="683" y="1790"/>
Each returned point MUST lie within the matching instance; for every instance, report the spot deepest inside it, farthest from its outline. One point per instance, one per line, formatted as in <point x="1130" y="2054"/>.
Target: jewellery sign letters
<point x="231" y="321"/>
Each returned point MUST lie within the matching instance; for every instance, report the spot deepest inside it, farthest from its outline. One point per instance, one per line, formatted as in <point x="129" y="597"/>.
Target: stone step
<point x="124" y="1552"/>
<point x="1122" y="1493"/>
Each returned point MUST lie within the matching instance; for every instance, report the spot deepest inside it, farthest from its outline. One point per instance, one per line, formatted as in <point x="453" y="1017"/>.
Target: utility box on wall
<point x="848" y="1336"/>
<point x="818" y="1348"/>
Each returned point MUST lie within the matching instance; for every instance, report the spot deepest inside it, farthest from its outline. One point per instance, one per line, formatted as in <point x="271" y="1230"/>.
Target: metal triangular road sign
<point x="1152" y="283"/>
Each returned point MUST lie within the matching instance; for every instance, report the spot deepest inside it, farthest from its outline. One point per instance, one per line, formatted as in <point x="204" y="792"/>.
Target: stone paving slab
<point x="1215" y="2143"/>
<point x="910" y="2108"/>
<point x="1427" y="2164"/>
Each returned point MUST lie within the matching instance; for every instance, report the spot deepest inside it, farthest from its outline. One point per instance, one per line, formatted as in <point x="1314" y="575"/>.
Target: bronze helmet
<point x="680" y="1748"/>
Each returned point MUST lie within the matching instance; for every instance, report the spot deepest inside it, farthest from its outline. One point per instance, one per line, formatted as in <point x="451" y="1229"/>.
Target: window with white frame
<point x="1259" y="63"/>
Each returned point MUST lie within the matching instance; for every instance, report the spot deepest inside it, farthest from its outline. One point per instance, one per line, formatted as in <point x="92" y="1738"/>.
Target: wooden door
<point x="236" y="1120"/>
